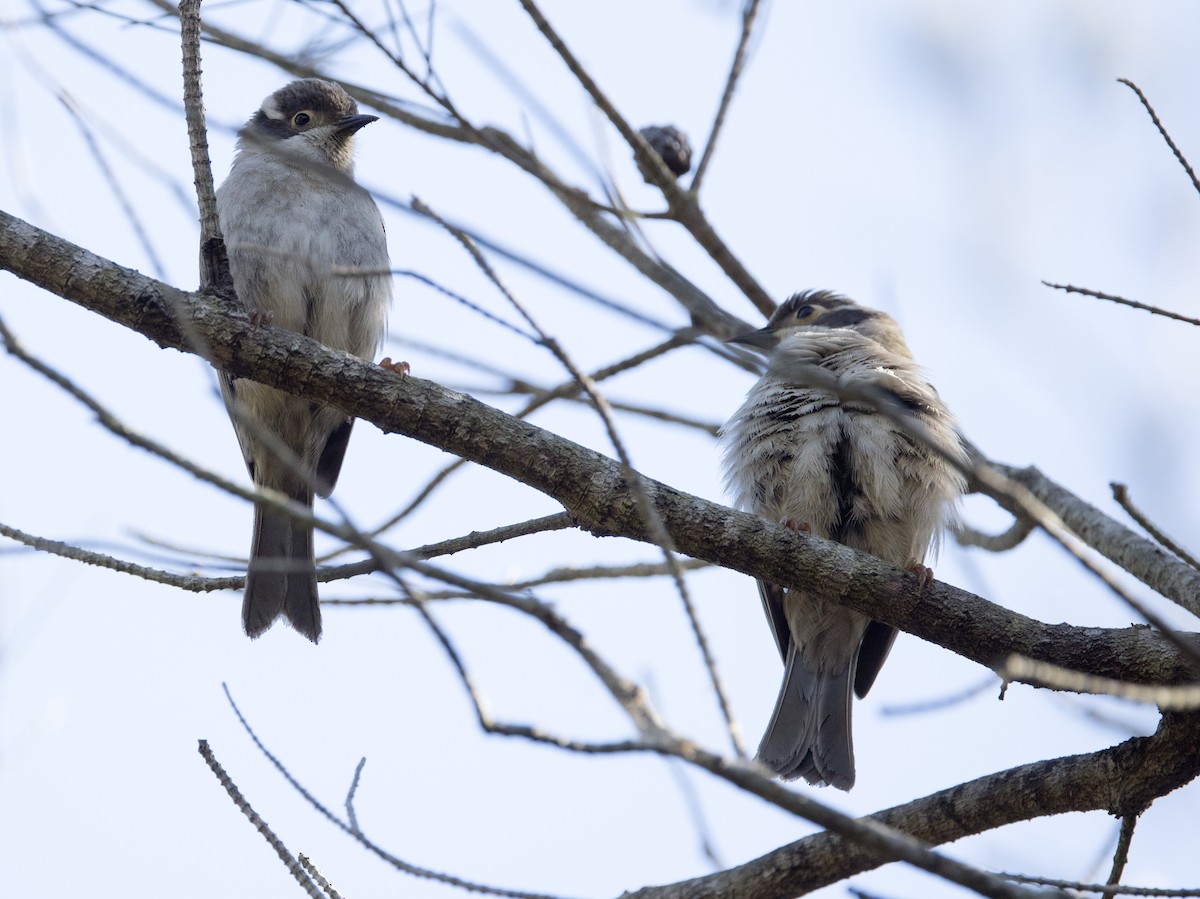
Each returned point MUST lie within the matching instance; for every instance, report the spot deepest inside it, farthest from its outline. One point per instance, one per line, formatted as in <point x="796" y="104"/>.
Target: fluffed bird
<point x="826" y="461"/>
<point x="307" y="252"/>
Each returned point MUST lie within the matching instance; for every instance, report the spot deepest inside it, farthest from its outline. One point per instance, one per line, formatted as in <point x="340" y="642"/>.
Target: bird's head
<point x="312" y="119"/>
<point x="815" y="311"/>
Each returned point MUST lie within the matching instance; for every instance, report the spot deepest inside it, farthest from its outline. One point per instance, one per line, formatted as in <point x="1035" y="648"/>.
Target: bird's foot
<point x="400" y="368"/>
<point x="260" y="317"/>
<point x="800" y="527"/>
<point x="924" y="575"/>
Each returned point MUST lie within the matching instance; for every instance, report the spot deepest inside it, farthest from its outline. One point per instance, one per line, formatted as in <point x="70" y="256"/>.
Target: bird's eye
<point x="804" y="312"/>
<point x="301" y="119"/>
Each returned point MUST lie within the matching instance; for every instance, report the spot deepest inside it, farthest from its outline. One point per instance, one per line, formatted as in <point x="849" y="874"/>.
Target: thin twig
<point x="193" y="583"/>
<point x="633" y="479"/>
<point x="259" y="824"/>
<point x="474" y="540"/>
<point x="311" y="870"/>
<point x="942" y="702"/>
<point x="395" y="862"/>
<point x="1154" y="310"/>
<point x="568" y="388"/>
<point x="1143" y="558"/>
<point x="114" y="184"/>
<point x="484" y="717"/>
<point x="682" y="204"/>
<point x="351" y="815"/>
<point x="554" y="576"/>
<point x="214" y="270"/>
<point x="1121" y="494"/>
<point x="454" y="295"/>
<point x="1031" y="671"/>
<point x="1163" y="131"/>
<point x="1021" y="528"/>
<point x="749" y="14"/>
<point x="1121" y="856"/>
<point x="1104" y="889"/>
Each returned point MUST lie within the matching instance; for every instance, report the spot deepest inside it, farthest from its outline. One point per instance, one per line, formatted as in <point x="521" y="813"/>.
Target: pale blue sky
<point x="935" y="159"/>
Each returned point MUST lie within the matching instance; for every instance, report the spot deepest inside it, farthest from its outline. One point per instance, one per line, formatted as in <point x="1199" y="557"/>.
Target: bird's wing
<point x="229" y="394"/>
<point x="876" y="644"/>
<point x="772" y="600"/>
<point x="329" y="466"/>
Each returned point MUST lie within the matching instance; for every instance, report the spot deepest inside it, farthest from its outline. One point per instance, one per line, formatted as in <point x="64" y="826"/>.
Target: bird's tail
<point x="809" y="733"/>
<point x="282" y="577"/>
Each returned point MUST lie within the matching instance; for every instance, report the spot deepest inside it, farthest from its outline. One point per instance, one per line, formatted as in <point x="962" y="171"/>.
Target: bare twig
<point x="1121" y="494"/>
<point x="650" y="515"/>
<point x="554" y="576"/>
<point x="395" y="862"/>
<point x="749" y="14"/>
<point x="1163" y="131"/>
<point x="260" y="825"/>
<point x="351" y="815"/>
<point x="566" y="389"/>
<point x="996" y="543"/>
<point x="1103" y="888"/>
<point x="1154" y="310"/>
<point x="1031" y="671"/>
<point x="102" y="560"/>
<point x="114" y="184"/>
<point x="943" y="702"/>
<point x="476" y="539"/>
<point x="1121" y="856"/>
<point x="1144" y="559"/>
<point x="311" y="870"/>
<point x="682" y="204"/>
<point x="458" y="298"/>
<point x="214" y="270"/>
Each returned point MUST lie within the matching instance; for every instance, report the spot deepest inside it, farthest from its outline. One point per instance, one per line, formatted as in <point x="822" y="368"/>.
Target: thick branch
<point x="590" y="486"/>
<point x="1122" y="780"/>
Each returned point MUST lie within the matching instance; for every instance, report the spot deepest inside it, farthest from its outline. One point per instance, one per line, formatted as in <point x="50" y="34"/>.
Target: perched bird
<point x="829" y="463"/>
<point x="308" y="253"/>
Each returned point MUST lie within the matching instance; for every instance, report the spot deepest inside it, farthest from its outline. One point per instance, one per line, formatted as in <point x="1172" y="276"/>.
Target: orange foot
<point x="924" y="575"/>
<point x="260" y="317"/>
<point x="400" y="368"/>
<point x="800" y="527"/>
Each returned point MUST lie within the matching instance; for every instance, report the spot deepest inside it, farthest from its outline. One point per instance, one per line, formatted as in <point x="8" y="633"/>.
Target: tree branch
<point x="1122" y="780"/>
<point x="590" y="486"/>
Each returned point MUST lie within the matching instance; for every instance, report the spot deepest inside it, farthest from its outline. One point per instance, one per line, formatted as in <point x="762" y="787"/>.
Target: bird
<point x="809" y="448"/>
<point x="307" y="252"/>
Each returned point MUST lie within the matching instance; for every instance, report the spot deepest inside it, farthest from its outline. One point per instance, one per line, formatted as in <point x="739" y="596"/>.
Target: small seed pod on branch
<point x="671" y="145"/>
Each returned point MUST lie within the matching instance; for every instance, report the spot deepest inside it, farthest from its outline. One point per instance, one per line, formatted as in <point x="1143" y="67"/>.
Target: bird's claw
<point x="924" y="575"/>
<point x="400" y="368"/>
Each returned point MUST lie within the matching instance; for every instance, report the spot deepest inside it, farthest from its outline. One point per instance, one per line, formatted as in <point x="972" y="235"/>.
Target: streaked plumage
<point x="801" y="454"/>
<point x="291" y="215"/>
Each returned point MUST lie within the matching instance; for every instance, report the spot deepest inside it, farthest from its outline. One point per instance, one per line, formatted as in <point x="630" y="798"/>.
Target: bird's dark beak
<point x="765" y="339"/>
<point x="347" y="125"/>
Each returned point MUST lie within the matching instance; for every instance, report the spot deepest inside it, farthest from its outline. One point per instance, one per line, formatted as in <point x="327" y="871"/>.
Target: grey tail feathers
<point x="809" y="734"/>
<point x="282" y="577"/>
